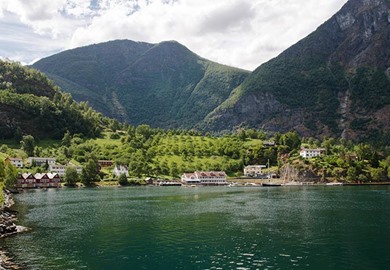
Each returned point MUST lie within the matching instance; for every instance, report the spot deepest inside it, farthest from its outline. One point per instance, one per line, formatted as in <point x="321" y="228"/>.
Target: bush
<point x="123" y="180"/>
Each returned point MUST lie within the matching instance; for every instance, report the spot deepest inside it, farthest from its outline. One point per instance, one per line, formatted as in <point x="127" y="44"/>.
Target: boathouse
<point x="38" y="180"/>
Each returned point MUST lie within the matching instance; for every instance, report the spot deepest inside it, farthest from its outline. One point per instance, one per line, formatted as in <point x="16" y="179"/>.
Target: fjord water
<point x="204" y="228"/>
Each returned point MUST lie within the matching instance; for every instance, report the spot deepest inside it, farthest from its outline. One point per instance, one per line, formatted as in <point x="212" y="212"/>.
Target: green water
<point x="204" y="228"/>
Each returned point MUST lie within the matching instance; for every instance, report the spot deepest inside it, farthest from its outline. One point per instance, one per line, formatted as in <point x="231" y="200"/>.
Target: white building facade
<point x="120" y="169"/>
<point x="253" y="170"/>
<point x="311" y="153"/>
<point x="205" y="178"/>
<point x="55" y="168"/>
<point x="17" y="162"/>
<point x="61" y="169"/>
<point x="42" y="160"/>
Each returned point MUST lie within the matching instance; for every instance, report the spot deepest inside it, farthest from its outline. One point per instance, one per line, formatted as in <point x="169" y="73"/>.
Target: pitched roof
<point x="16" y="159"/>
<point x="211" y="174"/>
<point x="26" y="175"/>
<point x="53" y="175"/>
<point x="188" y="175"/>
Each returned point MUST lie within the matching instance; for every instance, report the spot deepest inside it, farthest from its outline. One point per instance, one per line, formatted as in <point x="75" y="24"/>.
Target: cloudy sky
<point x="241" y="33"/>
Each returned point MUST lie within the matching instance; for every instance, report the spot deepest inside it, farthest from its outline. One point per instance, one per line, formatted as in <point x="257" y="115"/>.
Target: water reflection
<point x="204" y="228"/>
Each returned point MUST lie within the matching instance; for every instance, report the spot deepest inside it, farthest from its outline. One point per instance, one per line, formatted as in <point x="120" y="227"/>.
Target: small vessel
<point x="334" y="184"/>
<point x="170" y="184"/>
<point x="271" y="185"/>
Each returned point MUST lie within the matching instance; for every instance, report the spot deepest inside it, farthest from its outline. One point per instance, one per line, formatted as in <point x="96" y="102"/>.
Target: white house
<point x="17" y="162"/>
<point x="253" y="170"/>
<point x="42" y="160"/>
<point x="120" y="169"/>
<point x="205" y="178"/>
<point x="61" y="169"/>
<point x="310" y="153"/>
<point x="56" y="168"/>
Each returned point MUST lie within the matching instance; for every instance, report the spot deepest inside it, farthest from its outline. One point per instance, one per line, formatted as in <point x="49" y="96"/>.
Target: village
<point x="53" y="177"/>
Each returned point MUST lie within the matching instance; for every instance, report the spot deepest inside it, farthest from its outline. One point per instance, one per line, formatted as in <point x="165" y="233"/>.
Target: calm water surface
<point x="204" y="228"/>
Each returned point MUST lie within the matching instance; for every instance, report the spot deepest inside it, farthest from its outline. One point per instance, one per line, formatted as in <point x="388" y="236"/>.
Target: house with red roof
<point x="38" y="180"/>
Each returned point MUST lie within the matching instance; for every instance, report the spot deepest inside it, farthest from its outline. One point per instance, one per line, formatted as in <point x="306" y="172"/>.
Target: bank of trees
<point x="169" y="153"/>
<point x="8" y="174"/>
<point x="345" y="161"/>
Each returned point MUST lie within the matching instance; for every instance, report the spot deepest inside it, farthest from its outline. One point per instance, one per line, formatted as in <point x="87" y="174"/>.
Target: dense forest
<point x="30" y="104"/>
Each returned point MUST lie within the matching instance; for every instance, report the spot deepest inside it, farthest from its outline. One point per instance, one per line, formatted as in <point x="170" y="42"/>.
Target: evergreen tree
<point x="67" y="139"/>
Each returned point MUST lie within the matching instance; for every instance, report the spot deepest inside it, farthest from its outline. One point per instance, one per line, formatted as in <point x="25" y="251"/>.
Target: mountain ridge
<point x="334" y="82"/>
<point x="313" y="85"/>
<point x="164" y="76"/>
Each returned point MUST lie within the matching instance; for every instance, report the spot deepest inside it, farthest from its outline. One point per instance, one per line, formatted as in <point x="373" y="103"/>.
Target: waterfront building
<point x="253" y="170"/>
<point x="38" y="180"/>
<point x="205" y="178"/>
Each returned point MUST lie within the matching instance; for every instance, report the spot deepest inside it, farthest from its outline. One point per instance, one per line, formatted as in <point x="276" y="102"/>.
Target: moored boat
<point x="271" y="185"/>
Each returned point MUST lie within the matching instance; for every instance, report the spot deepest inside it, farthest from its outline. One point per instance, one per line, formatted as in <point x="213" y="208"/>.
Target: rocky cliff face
<point x="366" y="27"/>
<point x="333" y="82"/>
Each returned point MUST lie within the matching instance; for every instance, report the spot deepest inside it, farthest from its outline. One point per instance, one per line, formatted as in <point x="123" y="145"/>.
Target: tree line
<point x="169" y="153"/>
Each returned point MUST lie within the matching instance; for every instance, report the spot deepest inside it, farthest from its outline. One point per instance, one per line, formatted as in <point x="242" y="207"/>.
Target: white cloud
<point x="242" y="33"/>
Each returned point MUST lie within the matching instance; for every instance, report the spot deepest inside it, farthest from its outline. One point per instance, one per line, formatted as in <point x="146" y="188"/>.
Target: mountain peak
<point x="164" y="85"/>
<point x="333" y="82"/>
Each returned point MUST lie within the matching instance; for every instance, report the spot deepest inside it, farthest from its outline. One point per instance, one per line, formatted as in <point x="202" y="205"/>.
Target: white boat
<point x="334" y="184"/>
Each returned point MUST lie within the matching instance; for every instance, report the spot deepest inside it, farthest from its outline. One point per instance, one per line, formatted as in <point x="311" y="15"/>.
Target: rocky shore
<point x="8" y="228"/>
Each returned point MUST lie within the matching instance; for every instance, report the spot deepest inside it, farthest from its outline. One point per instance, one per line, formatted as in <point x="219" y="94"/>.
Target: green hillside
<point x="163" y="85"/>
<point x="31" y="104"/>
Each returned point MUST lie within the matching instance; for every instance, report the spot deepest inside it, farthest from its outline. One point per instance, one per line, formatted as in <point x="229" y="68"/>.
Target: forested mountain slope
<point x="333" y="82"/>
<point x="31" y="104"/>
<point x="163" y="85"/>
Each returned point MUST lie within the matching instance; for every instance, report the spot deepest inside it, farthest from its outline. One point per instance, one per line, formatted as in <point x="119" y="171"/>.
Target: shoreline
<point x="9" y="228"/>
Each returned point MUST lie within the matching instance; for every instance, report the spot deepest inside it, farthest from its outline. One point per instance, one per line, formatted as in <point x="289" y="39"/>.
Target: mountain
<point x="163" y="85"/>
<point x="31" y="104"/>
<point x="333" y="82"/>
